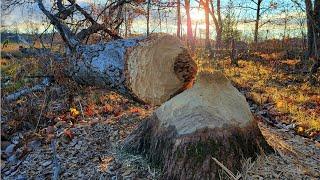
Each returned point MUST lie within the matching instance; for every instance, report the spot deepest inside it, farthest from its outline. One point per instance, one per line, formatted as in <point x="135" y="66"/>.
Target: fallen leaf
<point x="135" y="110"/>
<point x="50" y="130"/>
<point x="117" y="111"/>
<point x="108" y="109"/>
<point x="89" y="111"/>
<point x="68" y="133"/>
<point x="74" y="112"/>
<point x="300" y="130"/>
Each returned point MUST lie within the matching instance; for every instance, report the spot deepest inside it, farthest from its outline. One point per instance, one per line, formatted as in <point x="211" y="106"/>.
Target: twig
<point x="269" y="122"/>
<point x="231" y="175"/>
<point x="25" y="91"/>
<point x="81" y="109"/>
<point x="39" y="76"/>
<point x="42" y="108"/>
<point x="56" y="165"/>
<point x="11" y="56"/>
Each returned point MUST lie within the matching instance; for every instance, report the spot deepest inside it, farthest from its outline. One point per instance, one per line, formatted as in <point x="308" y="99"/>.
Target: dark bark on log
<point x="184" y="135"/>
<point x="190" y="156"/>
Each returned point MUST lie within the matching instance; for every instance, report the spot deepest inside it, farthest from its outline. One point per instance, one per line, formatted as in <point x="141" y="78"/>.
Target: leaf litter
<point x="88" y="132"/>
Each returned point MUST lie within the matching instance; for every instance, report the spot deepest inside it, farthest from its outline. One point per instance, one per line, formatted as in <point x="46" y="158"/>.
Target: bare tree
<point x="190" y="39"/>
<point x="178" y="19"/>
<point x="66" y="10"/>
<point x="8" y="5"/>
<point x="258" y="14"/>
<point x="260" y="9"/>
<point x="217" y="22"/>
<point x="205" y="4"/>
<point x="313" y="24"/>
<point x="148" y="16"/>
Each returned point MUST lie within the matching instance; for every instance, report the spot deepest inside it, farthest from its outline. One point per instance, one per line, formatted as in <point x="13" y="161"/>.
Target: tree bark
<point x="190" y="39"/>
<point x="178" y="19"/>
<point x="310" y="38"/>
<point x="256" y="28"/>
<point x="206" y="10"/>
<point x="150" y="69"/>
<point x="148" y="17"/>
<point x="210" y="120"/>
<point x="217" y="22"/>
<point x="313" y="27"/>
<point x="234" y="53"/>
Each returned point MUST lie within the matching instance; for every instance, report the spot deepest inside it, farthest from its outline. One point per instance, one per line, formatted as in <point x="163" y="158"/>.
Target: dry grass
<point x="295" y="158"/>
<point x="294" y="99"/>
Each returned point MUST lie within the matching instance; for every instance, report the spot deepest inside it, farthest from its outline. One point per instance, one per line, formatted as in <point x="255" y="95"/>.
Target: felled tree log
<point x="210" y="120"/>
<point x="151" y="69"/>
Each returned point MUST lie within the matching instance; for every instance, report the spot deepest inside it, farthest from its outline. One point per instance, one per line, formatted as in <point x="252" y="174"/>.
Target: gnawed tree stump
<point x="210" y="120"/>
<point x="151" y="69"/>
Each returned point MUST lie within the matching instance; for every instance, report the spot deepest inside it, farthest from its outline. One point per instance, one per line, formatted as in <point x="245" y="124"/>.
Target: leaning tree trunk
<point x="210" y="120"/>
<point x="151" y="69"/>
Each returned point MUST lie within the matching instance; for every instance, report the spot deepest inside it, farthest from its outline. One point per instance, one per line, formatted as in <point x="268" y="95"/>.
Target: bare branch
<point x="64" y="31"/>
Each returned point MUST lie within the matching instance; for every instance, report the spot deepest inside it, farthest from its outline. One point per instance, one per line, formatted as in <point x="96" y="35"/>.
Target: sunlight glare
<point x="197" y="15"/>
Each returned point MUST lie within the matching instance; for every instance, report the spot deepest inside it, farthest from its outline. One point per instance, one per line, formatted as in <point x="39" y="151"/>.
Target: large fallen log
<point x="211" y="120"/>
<point x="151" y="69"/>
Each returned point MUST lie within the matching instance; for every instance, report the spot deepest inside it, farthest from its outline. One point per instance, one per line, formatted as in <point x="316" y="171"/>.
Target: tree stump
<point x="210" y="120"/>
<point x="151" y="69"/>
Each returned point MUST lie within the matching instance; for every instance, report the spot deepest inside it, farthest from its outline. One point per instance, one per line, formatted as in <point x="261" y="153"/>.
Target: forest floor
<point x="77" y="132"/>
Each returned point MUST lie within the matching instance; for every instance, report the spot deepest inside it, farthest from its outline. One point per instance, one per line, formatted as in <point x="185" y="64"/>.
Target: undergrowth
<point x="277" y="82"/>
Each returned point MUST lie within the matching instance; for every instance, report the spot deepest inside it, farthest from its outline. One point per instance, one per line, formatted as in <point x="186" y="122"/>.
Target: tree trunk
<point x="150" y="69"/>
<point x="206" y="10"/>
<point x="217" y="22"/>
<point x="148" y="17"/>
<point x="256" y="28"/>
<point x="313" y="25"/>
<point x="310" y="38"/>
<point x="210" y="120"/>
<point x="178" y="19"/>
<point x="234" y="53"/>
<point x="219" y="39"/>
<point x="189" y="25"/>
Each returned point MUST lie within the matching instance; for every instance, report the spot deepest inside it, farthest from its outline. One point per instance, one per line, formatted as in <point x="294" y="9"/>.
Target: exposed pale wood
<point x="210" y="120"/>
<point x="151" y="69"/>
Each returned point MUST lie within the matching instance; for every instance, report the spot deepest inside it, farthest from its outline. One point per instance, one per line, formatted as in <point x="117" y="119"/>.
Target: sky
<point x="30" y="17"/>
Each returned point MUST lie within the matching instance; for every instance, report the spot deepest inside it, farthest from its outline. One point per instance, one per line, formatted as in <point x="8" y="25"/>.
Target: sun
<point x="197" y="14"/>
